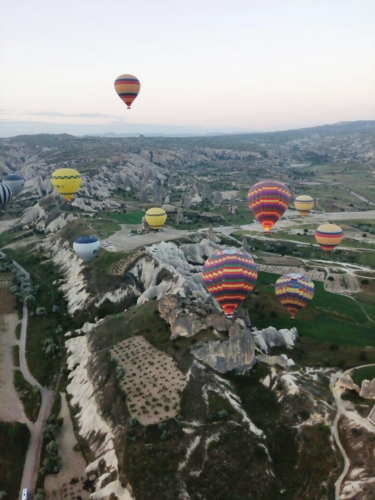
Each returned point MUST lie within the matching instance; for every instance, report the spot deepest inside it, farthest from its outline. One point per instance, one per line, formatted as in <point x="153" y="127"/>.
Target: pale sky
<point x="204" y="65"/>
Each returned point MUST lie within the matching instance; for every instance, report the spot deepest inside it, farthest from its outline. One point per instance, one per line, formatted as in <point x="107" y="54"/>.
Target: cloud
<point x="75" y="115"/>
<point x="3" y="112"/>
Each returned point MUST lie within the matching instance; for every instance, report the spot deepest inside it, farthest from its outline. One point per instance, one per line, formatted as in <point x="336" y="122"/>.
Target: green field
<point x="14" y="441"/>
<point x="44" y="368"/>
<point x="329" y="317"/>
<point x="129" y="217"/>
<point x="29" y="395"/>
<point x="364" y="374"/>
<point x="101" y="228"/>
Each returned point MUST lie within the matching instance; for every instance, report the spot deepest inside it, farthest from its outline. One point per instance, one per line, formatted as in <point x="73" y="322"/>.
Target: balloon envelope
<point x="268" y="201"/>
<point x="329" y="236"/>
<point x="6" y="195"/>
<point x="156" y="217"/>
<point x="304" y="204"/>
<point x="86" y="247"/>
<point x="16" y="182"/>
<point x="67" y="182"/>
<point x="230" y="276"/>
<point x="127" y="88"/>
<point x="294" y="291"/>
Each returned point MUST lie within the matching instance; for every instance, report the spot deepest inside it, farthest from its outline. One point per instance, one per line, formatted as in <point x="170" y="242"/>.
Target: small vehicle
<point x="24" y="494"/>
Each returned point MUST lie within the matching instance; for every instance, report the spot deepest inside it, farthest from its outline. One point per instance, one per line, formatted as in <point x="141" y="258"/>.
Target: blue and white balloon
<point x="86" y="247"/>
<point x="6" y="195"/>
<point x="16" y="182"/>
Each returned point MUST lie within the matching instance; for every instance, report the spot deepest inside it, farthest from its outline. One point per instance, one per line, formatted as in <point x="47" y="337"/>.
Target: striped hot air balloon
<point x="268" y="201"/>
<point x="156" y="217"/>
<point x="294" y="292"/>
<point x="67" y="182"/>
<point x="16" y="182"/>
<point x="127" y="88"/>
<point x="304" y="204"/>
<point x="6" y="194"/>
<point x="230" y="276"/>
<point x="329" y="236"/>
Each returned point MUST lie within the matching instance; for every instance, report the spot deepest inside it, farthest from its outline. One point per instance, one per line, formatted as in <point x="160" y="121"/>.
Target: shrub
<point x="222" y="413"/>
<point x="333" y="347"/>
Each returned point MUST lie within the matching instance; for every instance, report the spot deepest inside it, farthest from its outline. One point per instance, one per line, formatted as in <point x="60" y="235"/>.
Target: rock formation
<point x="206" y="192"/>
<point x="368" y="389"/>
<point x="143" y="196"/>
<point x="245" y="245"/>
<point x="232" y="206"/>
<point x="270" y="337"/>
<point x="185" y="202"/>
<point x="145" y="225"/>
<point x="217" y="199"/>
<point x="237" y="353"/>
<point x="180" y="218"/>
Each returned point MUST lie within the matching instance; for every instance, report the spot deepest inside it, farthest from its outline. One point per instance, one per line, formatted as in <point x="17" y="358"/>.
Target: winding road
<point x="342" y="411"/>
<point x="32" y="460"/>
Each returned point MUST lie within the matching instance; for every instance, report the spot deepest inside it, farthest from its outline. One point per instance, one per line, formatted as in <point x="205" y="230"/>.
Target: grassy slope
<point x="128" y="217"/>
<point x="14" y="440"/>
<point x="365" y="374"/>
<point x="329" y="317"/>
<point x="102" y="228"/>
<point x="30" y="397"/>
<point x="44" y="368"/>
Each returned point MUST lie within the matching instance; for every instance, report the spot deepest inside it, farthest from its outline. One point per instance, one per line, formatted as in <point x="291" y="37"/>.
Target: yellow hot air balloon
<point x="329" y="236"/>
<point x="67" y="182"/>
<point x="156" y="217"/>
<point x="127" y="88"/>
<point x="304" y="204"/>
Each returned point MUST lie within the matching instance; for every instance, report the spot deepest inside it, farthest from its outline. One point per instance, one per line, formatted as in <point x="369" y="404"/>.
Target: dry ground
<point x="11" y="408"/>
<point x="152" y="381"/>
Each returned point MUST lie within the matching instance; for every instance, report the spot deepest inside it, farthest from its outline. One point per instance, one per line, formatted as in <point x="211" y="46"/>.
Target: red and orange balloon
<point x="127" y="88"/>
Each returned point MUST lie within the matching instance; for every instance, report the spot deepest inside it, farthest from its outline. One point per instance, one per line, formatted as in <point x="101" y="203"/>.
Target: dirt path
<point x="35" y="445"/>
<point x="342" y="411"/>
<point x="73" y="463"/>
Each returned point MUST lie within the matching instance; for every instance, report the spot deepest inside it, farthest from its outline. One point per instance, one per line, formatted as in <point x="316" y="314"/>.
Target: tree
<point x="30" y="300"/>
<point x="40" y="495"/>
<point x="41" y="311"/>
<point x="3" y="494"/>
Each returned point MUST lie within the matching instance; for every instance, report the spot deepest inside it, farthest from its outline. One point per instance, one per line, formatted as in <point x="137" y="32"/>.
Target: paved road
<point x="341" y="410"/>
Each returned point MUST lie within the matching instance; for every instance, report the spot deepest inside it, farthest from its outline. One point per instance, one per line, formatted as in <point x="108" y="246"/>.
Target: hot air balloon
<point x="6" y="195"/>
<point x="294" y="292"/>
<point x="127" y="88"/>
<point x="16" y="182"/>
<point x="156" y="217"/>
<point x="304" y="204"/>
<point x="229" y="276"/>
<point x="268" y="201"/>
<point x="329" y="236"/>
<point x="67" y="182"/>
<point x="86" y="247"/>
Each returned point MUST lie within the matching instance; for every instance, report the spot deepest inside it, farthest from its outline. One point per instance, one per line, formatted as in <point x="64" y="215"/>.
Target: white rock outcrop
<point x="92" y="426"/>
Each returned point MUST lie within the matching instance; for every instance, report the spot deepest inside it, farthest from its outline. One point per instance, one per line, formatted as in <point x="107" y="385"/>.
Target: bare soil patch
<point x="11" y="409"/>
<point x="342" y="283"/>
<point x="152" y="381"/>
